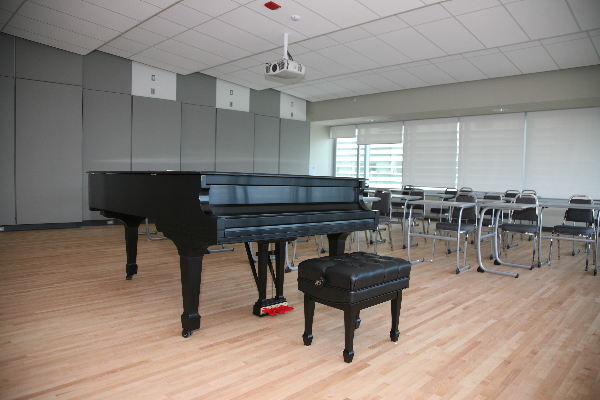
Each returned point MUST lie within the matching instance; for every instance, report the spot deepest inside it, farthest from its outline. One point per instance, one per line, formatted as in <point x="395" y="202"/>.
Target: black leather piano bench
<point x="351" y="282"/>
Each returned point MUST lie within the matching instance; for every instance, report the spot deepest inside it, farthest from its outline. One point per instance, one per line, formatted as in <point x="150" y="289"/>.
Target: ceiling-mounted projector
<point x="286" y="68"/>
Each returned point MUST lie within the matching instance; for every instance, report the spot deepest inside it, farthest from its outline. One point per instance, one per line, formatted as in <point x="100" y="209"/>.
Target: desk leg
<point x="482" y="268"/>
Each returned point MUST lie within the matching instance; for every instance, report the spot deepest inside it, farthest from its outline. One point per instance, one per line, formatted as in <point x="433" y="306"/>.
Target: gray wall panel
<point x="266" y="144"/>
<point x="7" y="55"/>
<point x="197" y="89"/>
<point x="294" y="147"/>
<point x="198" y="137"/>
<point x="106" y="137"/>
<point x="45" y="63"/>
<point x="102" y="71"/>
<point x="235" y="141"/>
<point x="7" y="155"/>
<point x="265" y="102"/>
<point x="48" y="152"/>
<point x="155" y="134"/>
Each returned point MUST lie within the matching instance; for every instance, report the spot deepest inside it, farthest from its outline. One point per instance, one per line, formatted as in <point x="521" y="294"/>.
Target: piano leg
<point x="191" y="274"/>
<point x="132" y="223"/>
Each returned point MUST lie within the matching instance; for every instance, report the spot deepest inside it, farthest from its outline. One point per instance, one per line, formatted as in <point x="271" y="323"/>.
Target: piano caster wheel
<point x="129" y="277"/>
<point x="357" y="323"/>
<point x="186" y="333"/>
<point x="307" y="339"/>
<point x="479" y="269"/>
<point x="394" y="335"/>
<point x="496" y="262"/>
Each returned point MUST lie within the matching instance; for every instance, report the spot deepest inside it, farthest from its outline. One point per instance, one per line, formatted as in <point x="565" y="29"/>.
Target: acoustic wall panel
<point x="155" y="134"/>
<point x="235" y="141"/>
<point x="265" y="102"/>
<point x="48" y="152"/>
<point x="198" y="130"/>
<point x="44" y="63"/>
<point x="106" y="137"/>
<point x="266" y="144"/>
<point x="102" y="71"/>
<point x="197" y="89"/>
<point x="153" y="82"/>
<point x="7" y="55"/>
<point x="294" y="147"/>
<point x="7" y="148"/>
<point x="232" y="97"/>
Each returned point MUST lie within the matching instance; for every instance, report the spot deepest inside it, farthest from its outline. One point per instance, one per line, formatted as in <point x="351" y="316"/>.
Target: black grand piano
<point x="199" y="209"/>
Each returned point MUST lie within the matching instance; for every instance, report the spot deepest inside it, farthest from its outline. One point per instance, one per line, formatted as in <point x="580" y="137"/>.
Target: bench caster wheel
<point x="186" y="333"/>
<point x="348" y="356"/>
<point x="129" y="277"/>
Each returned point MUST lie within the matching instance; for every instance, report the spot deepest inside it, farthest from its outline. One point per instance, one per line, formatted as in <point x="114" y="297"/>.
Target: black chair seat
<point x="573" y="230"/>
<point x="437" y="210"/>
<point x="384" y="220"/>
<point x="453" y="226"/>
<point x="520" y="228"/>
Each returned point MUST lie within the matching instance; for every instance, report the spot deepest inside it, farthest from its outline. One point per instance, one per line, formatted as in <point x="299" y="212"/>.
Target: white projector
<point x="285" y="68"/>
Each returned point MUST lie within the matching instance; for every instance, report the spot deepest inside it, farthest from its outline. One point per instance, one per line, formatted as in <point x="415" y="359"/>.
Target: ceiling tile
<point x="389" y="7"/>
<point x="220" y="70"/>
<point x="596" y="41"/>
<point x="184" y="16"/>
<point x="378" y="51"/>
<point x="310" y="23"/>
<point x="403" y="78"/>
<point x="349" y="35"/>
<point x="431" y="74"/>
<point x="573" y="53"/>
<point x="135" y="9"/>
<point x="143" y="36"/>
<point x="211" y="7"/>
<point x="54" y="32"/>
<point x="384" y="25"/>
<point x="322" y="63"/>
<point x="40" y="38"/>
<point x="115" y="51"/>
<point x="261" y="26"/>
<point x="345" y="14"/>
<point x="493" y="27"/>
<point x="11" y="5"/>
<point x="317" y="43"/>
<point x="348" y="57"/>
<point x="412" y="44"/>
<point x="162" y="26"/>
<point x="162" y="64"/>
<point x="424" y="15"/>
<point x="127" y="45"/>
<point x="543" y="18"/>
<point x="378" y="82"/>
<point x="184" y="50"/>
<point x="297" y="49"/>
<point x="91" y="13"/>
<point x="212" y="45"/>
<point x="461" y="70"/>
<point x="65" y="21"/>
<point x="531" y="59"/>
<point x="494" y="65"/>
<point x="458" y="7"/>
<point x="156" y="54"/>
<point x="232" y="35"/>
<point x="450" y="36"/>
<point x="352" y="84"/>
<point x="4" y="16"/>
<point x="587" y="13"/>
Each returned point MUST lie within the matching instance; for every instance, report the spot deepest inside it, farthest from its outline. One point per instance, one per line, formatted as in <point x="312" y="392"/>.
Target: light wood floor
<point x="71" y="326"/>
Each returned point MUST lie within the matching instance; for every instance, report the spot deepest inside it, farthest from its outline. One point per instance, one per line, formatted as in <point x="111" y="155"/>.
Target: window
<point x="345" y="157"/>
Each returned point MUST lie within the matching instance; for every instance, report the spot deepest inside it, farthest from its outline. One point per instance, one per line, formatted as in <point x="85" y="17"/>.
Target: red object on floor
<point x="271" y="5"/>
<point x="278" y="310"/>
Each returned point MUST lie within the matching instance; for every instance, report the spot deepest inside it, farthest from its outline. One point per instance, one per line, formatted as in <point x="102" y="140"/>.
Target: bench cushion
<point x="353" y="277"/>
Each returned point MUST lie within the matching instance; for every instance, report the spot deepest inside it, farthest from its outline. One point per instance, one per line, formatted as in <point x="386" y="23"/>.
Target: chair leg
<point x="550" y="251"/>
<point x="587" y="253"/>
<point x="396" y="304"/>
<point x="534" y="251"/>
<point x="350" y="314"/>
<point x="309" y="312"/>
<point x="433" y="248"/>
<point x="558" y="249"/>
<point x="389" y="227"/>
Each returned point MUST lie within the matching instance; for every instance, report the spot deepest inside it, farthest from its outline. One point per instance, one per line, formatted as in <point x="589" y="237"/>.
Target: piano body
<point x="200" y="209"/>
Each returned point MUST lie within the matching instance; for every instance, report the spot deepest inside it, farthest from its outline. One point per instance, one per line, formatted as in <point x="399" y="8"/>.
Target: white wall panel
<point x="292" y="107"/>
<point x="147" y="81"/>
<point x="232" y="97"/>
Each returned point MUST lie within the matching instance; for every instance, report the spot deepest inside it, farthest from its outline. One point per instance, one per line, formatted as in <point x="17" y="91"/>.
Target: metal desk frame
<point x="406" y="198"/>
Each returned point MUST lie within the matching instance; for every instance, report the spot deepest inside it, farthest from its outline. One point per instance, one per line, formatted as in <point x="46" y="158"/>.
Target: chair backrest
<point x="578" y="215"/>
<point x="529" y="191"/>
<point x="384" y="205"/>
<point x="468" y="214"/>
<point x="451" y="191"/>
<point x="465" y="189"/>
<point x="492" y="196"/>
<point x="406" y="189"/>
<point x="529" y="214"/>
<point x="511" y="193"/>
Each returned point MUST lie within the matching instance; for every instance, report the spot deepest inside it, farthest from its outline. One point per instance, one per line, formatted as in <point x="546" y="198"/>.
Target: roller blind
<point x="430" y="151"/>
<point x="380" y="133"/>
<point x="563" y="152"/>
<point x="490" y="156"/>
<point x="342" y="131"/>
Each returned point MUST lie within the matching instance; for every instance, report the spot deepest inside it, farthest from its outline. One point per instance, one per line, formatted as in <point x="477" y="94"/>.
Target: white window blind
<point x="490" y="156"/>
<point x="430" y="152"/>
<point x="380" y="133"/>
<point x="563" y="152"/>
<point x="342" y="131"/>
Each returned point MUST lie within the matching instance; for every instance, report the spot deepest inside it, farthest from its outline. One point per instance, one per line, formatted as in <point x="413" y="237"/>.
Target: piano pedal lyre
<point x="271" y="307"/>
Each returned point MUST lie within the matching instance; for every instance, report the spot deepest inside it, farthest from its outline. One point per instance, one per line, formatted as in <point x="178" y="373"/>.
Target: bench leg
<point x="309" y="312"/>
<point x="396" y="304"/>
<point x="350" y="315"/>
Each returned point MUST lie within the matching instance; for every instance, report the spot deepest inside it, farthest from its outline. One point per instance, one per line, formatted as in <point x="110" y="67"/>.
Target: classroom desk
<point x="406" y="198"/>
<point x="440" y="203"/>
<point x="595" y="207"/>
